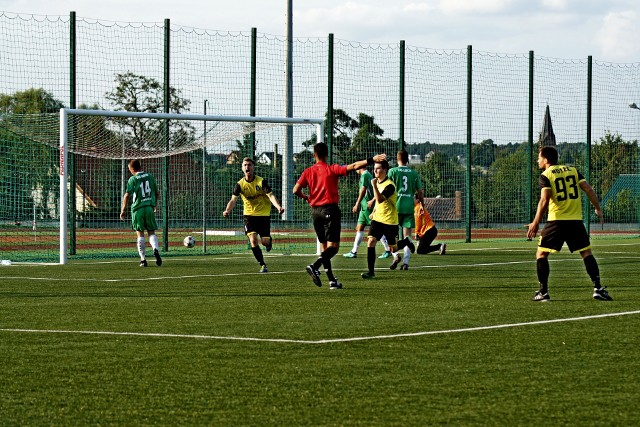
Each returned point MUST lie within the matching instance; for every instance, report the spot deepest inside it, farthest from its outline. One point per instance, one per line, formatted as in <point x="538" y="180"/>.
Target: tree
<point x="28" y="174"/>
<point x="483" y="154"/>
<point x="137" y="93"/>
<point x="612" y="156"/>
<point x="353" y="139"/>
<point x="442" y="175"/>
<point x="343" y="129"/>
<point x="30" y="101"/>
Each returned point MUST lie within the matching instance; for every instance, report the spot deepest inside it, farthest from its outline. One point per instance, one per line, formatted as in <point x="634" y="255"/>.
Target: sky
<point x="569" y="29"/>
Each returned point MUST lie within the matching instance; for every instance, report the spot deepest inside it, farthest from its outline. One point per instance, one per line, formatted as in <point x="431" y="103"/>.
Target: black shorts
<point x="327" y="223"/>
<point x="257" y="224"/>
<point x="556" y="233"/>
<point x="379" y="229"/>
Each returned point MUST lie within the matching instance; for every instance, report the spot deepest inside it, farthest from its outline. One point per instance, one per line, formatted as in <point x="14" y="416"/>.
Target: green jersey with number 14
<point x="407" y="182"/>
<point x="142" y="187"/>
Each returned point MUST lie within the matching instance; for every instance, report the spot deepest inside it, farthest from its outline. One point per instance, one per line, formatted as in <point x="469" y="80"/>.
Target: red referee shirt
<point x="322" y="180"/>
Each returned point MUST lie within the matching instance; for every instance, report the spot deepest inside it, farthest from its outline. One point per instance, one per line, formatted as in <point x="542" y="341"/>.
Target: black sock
<point x="257" y="252"/>
<point x="371" y="259"/>
<point x="592" y="270"/>
<point x="401" y="244"/>
<point x="542" y="267"/>
<point x="326" y="261"/>
<point x="317" y="263"/>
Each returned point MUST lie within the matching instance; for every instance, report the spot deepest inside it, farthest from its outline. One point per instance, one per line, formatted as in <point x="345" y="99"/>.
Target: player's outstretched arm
<point x="362" y="163"/>
<point x="230" y="206"/>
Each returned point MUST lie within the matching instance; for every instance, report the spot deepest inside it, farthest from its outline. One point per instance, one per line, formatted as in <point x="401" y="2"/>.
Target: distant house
<point x="415" y="159"/>
<point x="217" y="159"/>
<point x="445" y="208"/>
<point x="269" y="158"/>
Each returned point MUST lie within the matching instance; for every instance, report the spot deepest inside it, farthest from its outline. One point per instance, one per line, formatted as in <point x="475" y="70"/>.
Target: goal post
<point x="78" y="136"/>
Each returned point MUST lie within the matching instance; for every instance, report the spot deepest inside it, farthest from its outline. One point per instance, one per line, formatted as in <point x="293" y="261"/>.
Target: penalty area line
<point x="322" y="341"/>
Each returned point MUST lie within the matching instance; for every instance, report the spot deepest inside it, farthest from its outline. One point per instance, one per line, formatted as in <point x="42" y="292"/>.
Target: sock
<point x="153" y="239"/>
<point x="257" y="252"/>
<point x="542" y="268"/>
<point x="407" y="255"/>
<point x="385" y="244"/>
<point x="317" y="263"/>
<point x="357" y="241"/>
<point x="326" y="261"/>
<point x="371" y="259"/>
<point x="141" y="248"/>
<point x="592" y="270"/>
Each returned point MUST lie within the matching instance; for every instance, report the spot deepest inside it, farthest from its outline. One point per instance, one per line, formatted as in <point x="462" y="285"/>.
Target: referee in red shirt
<point x="322" y="181"/>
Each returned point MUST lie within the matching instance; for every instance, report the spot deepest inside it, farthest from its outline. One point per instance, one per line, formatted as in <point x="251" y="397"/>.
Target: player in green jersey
<point x="362" y="208"/>
<point x="144" y="195"/>
<point x="408" y="184"/>
<point x="560" y="187"/>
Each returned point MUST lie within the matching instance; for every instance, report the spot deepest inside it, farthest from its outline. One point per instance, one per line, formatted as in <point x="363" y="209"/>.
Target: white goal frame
<point x="64" y="148"/>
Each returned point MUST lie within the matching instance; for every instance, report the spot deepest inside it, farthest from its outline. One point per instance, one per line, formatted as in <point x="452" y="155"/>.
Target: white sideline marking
<point x="247" y="273"/>
<point x="324" y="341"/>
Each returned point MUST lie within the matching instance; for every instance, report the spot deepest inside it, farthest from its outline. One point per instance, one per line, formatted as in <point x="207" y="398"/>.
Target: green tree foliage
<point x="499" y="194"/>
<point x="624" y="208"/>
<point x="441" y="175"/>
<point x="483" y="154"/>
<point x="28" y="168"/>
<point x="137" y="93"/>
<point x="610" y="157"/>
<point x="30" y="101"/>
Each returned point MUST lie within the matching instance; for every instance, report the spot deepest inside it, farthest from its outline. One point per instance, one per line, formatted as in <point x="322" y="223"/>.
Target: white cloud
<point x="417" y="7"/>
<point x="555" y="4"/>
<point x="618" y="36"/>
<point x="473" y="6"/>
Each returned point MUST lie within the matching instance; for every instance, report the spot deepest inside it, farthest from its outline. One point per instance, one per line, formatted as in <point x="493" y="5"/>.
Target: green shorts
<point x="363" y="217"/>
<point x="406" y="220"/>
<point x="144" y="219"/>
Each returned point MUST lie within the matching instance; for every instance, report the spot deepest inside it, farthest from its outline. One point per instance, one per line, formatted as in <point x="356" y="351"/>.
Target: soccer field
<point x="207" y="340"/>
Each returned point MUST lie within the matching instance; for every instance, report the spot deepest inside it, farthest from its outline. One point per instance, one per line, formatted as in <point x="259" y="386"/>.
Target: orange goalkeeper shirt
<point x="423" y="221"/>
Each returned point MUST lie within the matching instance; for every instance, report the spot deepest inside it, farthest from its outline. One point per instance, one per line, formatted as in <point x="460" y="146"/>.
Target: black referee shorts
<point x="327" y="222"/>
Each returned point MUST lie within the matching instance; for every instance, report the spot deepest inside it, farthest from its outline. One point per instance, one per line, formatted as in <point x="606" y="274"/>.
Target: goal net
<point x="63" y="177"/>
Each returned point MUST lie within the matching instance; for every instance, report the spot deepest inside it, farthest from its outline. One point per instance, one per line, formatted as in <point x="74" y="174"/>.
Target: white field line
<point x="195" y="276"/>
<point x="323" y="341"/>
<point x="237" y="255"/>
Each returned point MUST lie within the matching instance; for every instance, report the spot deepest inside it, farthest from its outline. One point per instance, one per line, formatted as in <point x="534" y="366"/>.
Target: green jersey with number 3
<point x="142" y="187"/>
<point x="407" y="182"/>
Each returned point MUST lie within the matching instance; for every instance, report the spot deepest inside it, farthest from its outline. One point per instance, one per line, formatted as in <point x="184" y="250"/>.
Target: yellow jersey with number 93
<point x="564" y="183"/>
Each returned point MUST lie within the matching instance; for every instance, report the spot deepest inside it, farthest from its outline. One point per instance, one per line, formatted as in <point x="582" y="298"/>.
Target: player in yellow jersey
<point x="384" y="219"/>
<point x="257" y="198"/>
<point x="560" y="187"/>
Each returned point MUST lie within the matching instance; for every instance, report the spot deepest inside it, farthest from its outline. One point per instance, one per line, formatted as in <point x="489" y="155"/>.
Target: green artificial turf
<point x="210" y="341"/>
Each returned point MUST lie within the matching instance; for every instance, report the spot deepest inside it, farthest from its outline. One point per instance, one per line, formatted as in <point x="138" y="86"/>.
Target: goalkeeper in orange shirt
<point x="426" y="230"/>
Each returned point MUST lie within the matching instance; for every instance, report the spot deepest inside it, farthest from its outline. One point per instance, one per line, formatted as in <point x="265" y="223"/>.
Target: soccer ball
<point x="189" y="241"/>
